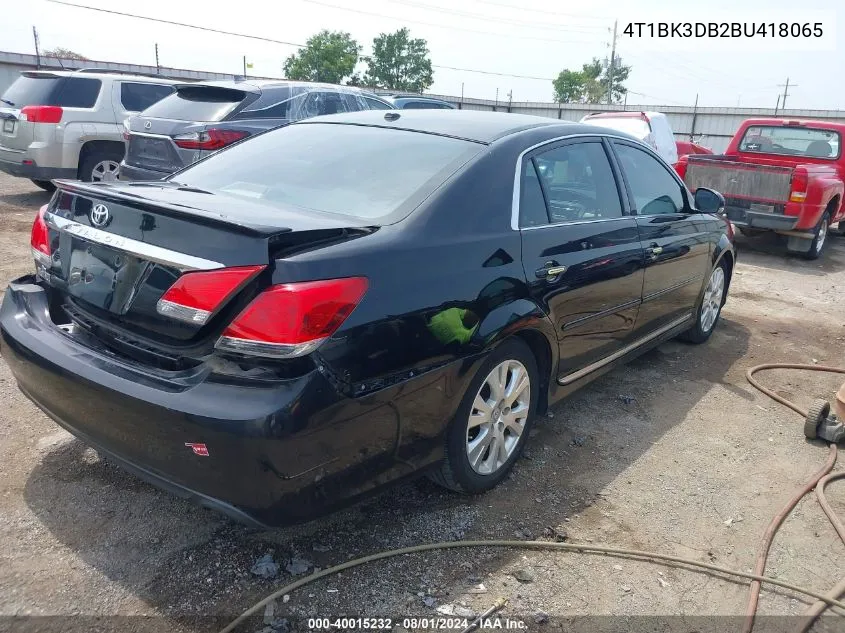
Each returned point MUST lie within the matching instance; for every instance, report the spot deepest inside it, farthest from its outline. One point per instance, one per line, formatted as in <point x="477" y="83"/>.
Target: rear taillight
<point x="41" y="114"/>
<point x="39" y="239"/>
<point x="196" y="296"/>
<point x="293" y="319"/>
<point x="209" y="139"/>
<point x="798" y="188"/>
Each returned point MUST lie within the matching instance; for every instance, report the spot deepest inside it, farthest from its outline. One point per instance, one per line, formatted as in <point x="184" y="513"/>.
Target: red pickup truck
<point x="778" y="175"/>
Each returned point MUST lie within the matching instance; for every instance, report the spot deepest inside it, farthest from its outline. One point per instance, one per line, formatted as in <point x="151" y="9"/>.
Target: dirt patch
<point x="674" y="452"/>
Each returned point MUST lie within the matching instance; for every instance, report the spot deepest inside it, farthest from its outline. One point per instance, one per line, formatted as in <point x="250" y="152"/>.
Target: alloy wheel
<point x="822" y="235"/>
<point x="712" y="302"/>
<point x="498" y="416"/>
<point x="105" y="171"/>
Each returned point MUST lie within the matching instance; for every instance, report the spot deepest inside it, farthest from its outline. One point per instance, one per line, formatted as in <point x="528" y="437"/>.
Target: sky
<point x="535" y="41"/>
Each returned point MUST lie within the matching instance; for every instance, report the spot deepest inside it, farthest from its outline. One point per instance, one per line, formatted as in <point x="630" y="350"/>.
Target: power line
<point x="488" y="72"/>
<point x="451" y="28"/>
<point x="477" y="16"/>
<point x="183" y="24"/>
<point x="567" y="15"/>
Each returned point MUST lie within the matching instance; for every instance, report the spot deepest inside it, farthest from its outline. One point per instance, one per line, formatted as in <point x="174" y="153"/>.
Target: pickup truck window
<point x="791" y="140"/>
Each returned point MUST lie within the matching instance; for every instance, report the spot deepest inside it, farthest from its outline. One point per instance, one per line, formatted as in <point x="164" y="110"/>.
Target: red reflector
<point x="195" y="296"/>
<point x="198" y="448"/>
<point x="293" y="319"/>
<point x="208" y="139"/>
<point x="41" y="114"/>
<point x="39" y="239"/>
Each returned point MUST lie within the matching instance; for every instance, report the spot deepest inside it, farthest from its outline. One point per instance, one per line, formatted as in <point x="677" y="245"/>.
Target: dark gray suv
<point x="199" y="119"/>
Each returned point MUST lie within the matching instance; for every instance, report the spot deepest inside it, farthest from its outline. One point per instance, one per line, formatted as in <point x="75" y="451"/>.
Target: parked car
<point x="653" y="128"/>
<point x="301" y="318"/>
<point x="779" y="175"/>
<point x="416" y="102"/>
<point x="67" y="124"/>
<point x="200" y="119"/>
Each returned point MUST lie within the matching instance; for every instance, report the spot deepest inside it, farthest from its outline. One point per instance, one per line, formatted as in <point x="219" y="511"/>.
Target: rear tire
<point x="486" y="426"/>
<point x="841" y="228"/>
<point x="46" y="185"/>
<point x="819" y="239"/>
<point x="710" y="307"/>
<point x="100" y="164"/>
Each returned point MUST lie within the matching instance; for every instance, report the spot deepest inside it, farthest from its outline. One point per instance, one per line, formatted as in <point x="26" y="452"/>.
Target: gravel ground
<point x="689" y="461"/>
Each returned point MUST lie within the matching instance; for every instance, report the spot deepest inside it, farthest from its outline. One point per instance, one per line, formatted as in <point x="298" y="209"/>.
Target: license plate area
<point x="104" y="277"/>
<point x="8" y="126"/>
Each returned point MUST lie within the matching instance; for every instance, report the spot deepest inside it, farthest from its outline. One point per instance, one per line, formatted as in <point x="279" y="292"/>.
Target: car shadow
<point x="769" y="251"/>
<point x="34" y="199"/>
<point x="190" y="563"/>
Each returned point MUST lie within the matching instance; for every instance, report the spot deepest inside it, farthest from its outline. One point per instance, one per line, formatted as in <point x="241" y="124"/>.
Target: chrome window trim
<point x="589" y="369"/>
<point x="518" y="177"/>
<point x="144" y="250"/>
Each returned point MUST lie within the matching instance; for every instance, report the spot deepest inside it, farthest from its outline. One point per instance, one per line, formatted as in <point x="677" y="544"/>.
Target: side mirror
<point x="709" y="201"/>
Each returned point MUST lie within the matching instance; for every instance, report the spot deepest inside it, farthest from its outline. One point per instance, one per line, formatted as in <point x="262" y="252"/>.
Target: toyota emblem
<point x="147" y="125"/>
<point x="100" y="215"/>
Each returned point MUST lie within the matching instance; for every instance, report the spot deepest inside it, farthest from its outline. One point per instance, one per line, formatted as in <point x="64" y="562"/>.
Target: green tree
<point x="64" y="53"/>
<point x="328" y="56"/>
<point x="592" y="82"/>
<point x="399" y="63"/>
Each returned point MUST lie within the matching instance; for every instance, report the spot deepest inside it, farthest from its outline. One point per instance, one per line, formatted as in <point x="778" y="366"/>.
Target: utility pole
<point x="612" y="65"/>
<point x="461" y="102"/>
<point x="496" y="107"/>
<point x="510" y="100"/>
<point x="244" y="66"/>
<point x="777" y="105"/>
<point x="785" y="92"/>
<point x="158" y="68"/>
<point x="37" y="50"/>
<point x="694" y="116"/>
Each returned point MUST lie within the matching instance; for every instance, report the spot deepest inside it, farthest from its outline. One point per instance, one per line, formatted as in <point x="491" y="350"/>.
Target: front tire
<point x="710" y="308"/>
<point x="492" y="422"/>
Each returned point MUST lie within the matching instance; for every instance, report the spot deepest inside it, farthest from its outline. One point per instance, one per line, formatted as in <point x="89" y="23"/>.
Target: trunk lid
<point x="30" y="89"/>
<point x="116" y="248"/>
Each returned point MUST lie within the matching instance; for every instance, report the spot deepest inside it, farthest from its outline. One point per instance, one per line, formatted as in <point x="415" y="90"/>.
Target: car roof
<point x="472" y="125"/>
<point x="96" y="74"/>
<point x="256" y="85"/>
<point x="413" y="98"/>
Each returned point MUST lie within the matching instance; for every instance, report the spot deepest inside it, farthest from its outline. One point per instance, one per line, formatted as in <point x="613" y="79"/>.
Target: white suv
<point x="69" y="124"/>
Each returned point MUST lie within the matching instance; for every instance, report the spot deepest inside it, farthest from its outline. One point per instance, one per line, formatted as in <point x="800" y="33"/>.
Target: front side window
<point x="655" y="190"/>
<point x="578" y="182"/>
<point x="136" y="97"/>
<point x="791" y="140"/>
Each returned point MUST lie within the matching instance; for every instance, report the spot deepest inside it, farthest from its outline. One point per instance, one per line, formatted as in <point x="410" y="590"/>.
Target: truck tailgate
<point x="741" y="181"/>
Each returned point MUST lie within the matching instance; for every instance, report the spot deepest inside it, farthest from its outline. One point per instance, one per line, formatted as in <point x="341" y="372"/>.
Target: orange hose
<point x="777" y="521"/>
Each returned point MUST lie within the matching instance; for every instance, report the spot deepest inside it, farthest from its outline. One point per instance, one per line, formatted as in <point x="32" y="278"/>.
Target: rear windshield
<point x="196" y="104"/>
<point x="636" y="127"/>
<point x="791" y="141"/>
<point x="369" y="173"/>
<point x="68" y="92"/>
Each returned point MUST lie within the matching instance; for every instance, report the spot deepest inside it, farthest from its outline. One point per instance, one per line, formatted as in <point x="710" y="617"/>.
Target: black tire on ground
<point x="456" y="473"/>
<point x="697" y="333"/>
<point x="841" y="228"/>
<point x="46" y="185"/>
<point x="820" y="240"/>
<point x="816" y="414"/>
<point x="93" y="157"/>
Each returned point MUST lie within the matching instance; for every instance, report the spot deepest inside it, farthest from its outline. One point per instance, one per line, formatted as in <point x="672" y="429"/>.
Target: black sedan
<point x="351" y="300"/>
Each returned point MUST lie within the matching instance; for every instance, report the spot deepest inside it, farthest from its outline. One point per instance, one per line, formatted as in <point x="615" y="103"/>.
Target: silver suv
<point x="69" y="124"/>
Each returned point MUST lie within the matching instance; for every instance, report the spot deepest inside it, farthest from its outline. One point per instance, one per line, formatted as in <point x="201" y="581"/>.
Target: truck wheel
<point x="841" y="229"/>
<point x="820" y="239"/>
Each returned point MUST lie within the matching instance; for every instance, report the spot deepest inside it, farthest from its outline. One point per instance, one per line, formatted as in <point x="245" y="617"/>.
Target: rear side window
<point x="368" y="173"/>
<point x="136" y="97"/>
<point x="197" y="103"/>
<point x="79" y="92"/>
<point x="422" y="105"/>
<point x="67" y="92"/>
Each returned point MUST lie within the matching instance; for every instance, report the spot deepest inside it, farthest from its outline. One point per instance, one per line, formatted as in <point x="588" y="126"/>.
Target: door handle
<point x="550" y="271"/>
<point x="655" y="250"/>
